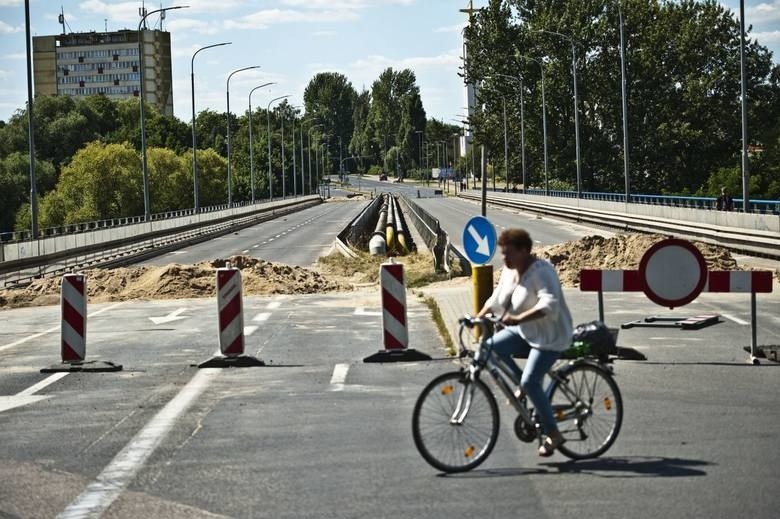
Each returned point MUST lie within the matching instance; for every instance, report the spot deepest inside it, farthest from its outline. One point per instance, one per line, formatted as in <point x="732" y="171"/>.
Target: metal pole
<point x="576" y="121"/>
<point x="743" y="94"/>
<point x="544" y="127"/>
<point x="251" y="142"/>
<point x="284" y="175"/>
<point x="522" y="135"/>
<point x="295" y="171"/>
<point x="303" y="181"/>
<point x="506" y="151"/>
<point x="270" y="171"/>
<point x="195" y="179"/>
<point x="229" y="172"/>
<point x="484" y="181"/>
<point x="625" y="104"/>
<point x="30" y="135"/>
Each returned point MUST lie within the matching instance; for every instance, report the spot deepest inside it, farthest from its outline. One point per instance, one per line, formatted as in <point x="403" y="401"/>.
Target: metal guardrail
<point x="745" y="240"/>
<point x="139" y="246"/>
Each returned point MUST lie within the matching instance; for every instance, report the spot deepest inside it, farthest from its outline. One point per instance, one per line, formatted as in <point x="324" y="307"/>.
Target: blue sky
<point x="291" y="40"/>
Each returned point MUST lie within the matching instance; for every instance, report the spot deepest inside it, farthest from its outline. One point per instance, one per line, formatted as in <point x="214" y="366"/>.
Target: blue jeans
<point x="508" y="342"/>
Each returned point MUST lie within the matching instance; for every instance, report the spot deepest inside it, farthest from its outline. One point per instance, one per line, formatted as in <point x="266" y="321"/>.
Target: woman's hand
<point x="510" y="319"/>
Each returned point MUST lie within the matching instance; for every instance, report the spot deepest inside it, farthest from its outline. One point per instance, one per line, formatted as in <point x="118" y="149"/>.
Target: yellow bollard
<point x="482" y="284"/>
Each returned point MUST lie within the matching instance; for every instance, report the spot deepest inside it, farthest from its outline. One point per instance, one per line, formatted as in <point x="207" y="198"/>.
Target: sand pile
<point x="175" y="281"/>
<point x="621" y="252"/>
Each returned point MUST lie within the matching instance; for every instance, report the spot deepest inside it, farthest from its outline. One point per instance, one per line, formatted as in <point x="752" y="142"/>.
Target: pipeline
<point x="401" y="232"/>
<point x="377" y="245"/>
<point x="390" y="227"/>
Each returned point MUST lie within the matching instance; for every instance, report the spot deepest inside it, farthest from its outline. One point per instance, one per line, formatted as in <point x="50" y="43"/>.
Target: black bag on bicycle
<point x="594" y="339"/>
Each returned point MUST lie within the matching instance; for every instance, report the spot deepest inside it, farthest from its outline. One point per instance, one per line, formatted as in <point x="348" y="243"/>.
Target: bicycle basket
<point x="591" y="339"/>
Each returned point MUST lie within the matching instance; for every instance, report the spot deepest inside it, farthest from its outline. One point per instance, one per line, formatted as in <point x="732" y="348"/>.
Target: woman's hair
<point x="517" y="238"/>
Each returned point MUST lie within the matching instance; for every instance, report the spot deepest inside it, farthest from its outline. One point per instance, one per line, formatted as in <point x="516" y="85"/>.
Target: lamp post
<point x="743" y="103"/>
<point x="295" y="180"/>
<point x="251" y="142"/>
<point x="230" y="175"/>
<point x="625" y="103"/>
<point x="304" y="120"/>
<point x="576" y="106"/>
<point x="270" y="174"/>
<point x="519" y="79"/>
<point x="30" y="129"/>
<point x="195" y="183"/>
<point x="544" y="122"/>
<point x="316" y="166"/>
<point x="419" y="149"/>
<point x="144" y="164"/>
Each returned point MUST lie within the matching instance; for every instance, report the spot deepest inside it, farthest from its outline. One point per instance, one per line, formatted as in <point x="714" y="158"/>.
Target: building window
<point x="81" y="84"/>
<point x="81" y="59"/>
<point x="116" y="82"/>
<point x="116" y="57"/>
<point x="65" y="72"/>
<point x="135" y="93"/>
<point x="100" y="70"/>
<point x="135" y="68"/>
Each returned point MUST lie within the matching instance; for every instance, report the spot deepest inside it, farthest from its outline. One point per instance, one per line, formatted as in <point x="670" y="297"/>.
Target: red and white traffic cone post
<point x="395" y="326"/>
<point x="73" y="330"/>
<point x="230" y="308"/>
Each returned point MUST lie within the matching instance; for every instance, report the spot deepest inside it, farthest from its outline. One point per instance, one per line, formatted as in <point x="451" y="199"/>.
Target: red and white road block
<point x="395" y="326"/>
<point x="73" y="334"/>
<point x="231" y="312"/>
<point x="230" y="308"/>
<point x="73" y="330"/>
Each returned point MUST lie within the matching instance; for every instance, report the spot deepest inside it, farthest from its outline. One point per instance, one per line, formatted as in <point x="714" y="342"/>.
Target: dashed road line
<point x="339" y="376"/>
<point x="263" y="316"/>
<point x="735" y="319"/>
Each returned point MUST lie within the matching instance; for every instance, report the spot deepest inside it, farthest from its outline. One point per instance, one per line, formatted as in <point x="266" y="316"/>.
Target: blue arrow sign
<point x="479" y="240"/>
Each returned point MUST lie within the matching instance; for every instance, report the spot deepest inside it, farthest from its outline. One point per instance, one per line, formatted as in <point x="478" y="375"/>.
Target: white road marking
<point x="179" y="252"/>
<point x="263" y="316"/>
<point x="54" y="328"/>
<point x="274" y="305"/>
<point x="339" y="376"/>
<point x="28" y="395"/>
<point x="43" y="383"/>
<point x="735" y="319"/>
<point x="249" y="330"/>
<point x="110" y="483"/>
<point x="255" y="246"/>
<point x="244" y="251"/>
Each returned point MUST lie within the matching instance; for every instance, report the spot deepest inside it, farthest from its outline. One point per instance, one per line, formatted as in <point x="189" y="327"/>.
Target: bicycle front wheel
<point x="455" y="422"/>
<point x="589" y="411"/>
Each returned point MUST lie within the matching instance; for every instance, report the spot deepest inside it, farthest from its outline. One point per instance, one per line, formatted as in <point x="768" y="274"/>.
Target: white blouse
<point x="539" y="289"/>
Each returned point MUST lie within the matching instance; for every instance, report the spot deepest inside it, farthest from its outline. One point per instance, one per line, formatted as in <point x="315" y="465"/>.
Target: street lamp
<point x="625" y="103"/>
<point x="270" y="174"/>
<point x="519" y="79"/>
<point x="316" y="166"/>
<point x="144" y="165"/>
<point x="195" y="189"/>
<point x="576" y="105"/>
<point x="295" y="181"/>
<point x="251" y="142"/>
<point x="230" y="175"/>
<point x="419" y="150"/>
<point x="544" y="122"/>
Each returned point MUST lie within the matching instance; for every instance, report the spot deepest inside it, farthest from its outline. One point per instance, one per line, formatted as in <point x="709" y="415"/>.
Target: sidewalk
<point x="454" y="300"/>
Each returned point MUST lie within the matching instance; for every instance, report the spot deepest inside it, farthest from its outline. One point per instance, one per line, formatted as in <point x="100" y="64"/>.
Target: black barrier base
<point x="92" y="366"/>
<point x="243" y="361"/>
<point x="624" y="353"/>
<point x="684" y="323"/>
<point x="407" y="355"/>
<point x="771" y="352"/>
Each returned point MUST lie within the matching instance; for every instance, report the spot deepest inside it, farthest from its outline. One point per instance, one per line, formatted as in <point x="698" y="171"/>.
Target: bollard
<point x="395" y="326"/>
<point x="73" y="330"/>
<point x="482" y="285"/>
<point x="230" y="311"/>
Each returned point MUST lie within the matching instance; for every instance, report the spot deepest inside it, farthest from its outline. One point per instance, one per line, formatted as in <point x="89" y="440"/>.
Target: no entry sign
<point x="672" y="272"/>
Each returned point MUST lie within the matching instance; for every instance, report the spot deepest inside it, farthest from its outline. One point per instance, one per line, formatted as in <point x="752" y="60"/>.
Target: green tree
<point x="329" y="99"/>
<point x="15" y="186"/>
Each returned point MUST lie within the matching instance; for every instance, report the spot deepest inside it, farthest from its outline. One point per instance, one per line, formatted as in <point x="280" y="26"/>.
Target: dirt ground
<point x="332" y="273"/>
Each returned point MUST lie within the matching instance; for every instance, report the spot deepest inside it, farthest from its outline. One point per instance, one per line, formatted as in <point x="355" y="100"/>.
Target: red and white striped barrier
<point x="231" y="313"/>
<point x="74" y="317"/>
<point x="395" y="326"/>
<point x="396" y="334"/>
<point x="672" y="273"/>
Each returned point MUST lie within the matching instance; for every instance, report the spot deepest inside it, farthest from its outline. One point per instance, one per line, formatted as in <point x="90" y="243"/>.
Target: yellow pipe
<point x="390" y="232"/>
<point x="482" y="284"/>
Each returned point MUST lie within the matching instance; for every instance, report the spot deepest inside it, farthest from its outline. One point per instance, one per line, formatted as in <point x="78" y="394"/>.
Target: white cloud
<point x="10" y="3"/>
<point x="14" y="55"/>
<point x="451" y="28"/>
<point x="344" y="4"/>
<point x="8" y="29"/>
<point x="763" y="13"/>
<point x="263" y="19"/>
<point x="5" y="74"/>
<point x="419" y="63"/>
<point x="190" y="24"/>
<point x="767" y="38"/>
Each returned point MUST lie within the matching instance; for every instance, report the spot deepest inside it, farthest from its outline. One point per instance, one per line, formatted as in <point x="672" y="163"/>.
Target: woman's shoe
<point x="549" y="444"/>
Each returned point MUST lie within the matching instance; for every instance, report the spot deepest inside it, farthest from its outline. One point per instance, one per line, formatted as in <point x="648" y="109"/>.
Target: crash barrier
<point x="749" y="233"/>
<point x="73" y="329"/>
<point x="672" y="273"/>
<point x="23" y="261"/>
<point x="395" y="326"/>
<point x="230" y="310"/>
<point x="437" y="240"/>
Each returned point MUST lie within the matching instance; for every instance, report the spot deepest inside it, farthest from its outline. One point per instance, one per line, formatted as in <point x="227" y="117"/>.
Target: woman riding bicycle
<point x="538" y="324"/>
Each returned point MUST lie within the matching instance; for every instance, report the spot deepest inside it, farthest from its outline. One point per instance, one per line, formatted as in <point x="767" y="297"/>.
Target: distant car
<point x="383" y="176"/>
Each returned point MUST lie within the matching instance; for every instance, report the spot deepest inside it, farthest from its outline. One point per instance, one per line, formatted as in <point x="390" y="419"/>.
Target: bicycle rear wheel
<point x="591" y="421"/>
<point x="455" y="422"/>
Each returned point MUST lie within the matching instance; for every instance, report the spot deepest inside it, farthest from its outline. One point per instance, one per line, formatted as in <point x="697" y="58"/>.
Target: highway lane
<point x="318" y="433"/>
<point x="295" y="239"/>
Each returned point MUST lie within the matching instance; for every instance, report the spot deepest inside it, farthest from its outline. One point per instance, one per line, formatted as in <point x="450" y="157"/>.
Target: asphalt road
<point x="318" y="433"/>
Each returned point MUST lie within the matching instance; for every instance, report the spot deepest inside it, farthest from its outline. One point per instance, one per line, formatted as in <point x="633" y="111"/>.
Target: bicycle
<point x="455" y="422"/>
